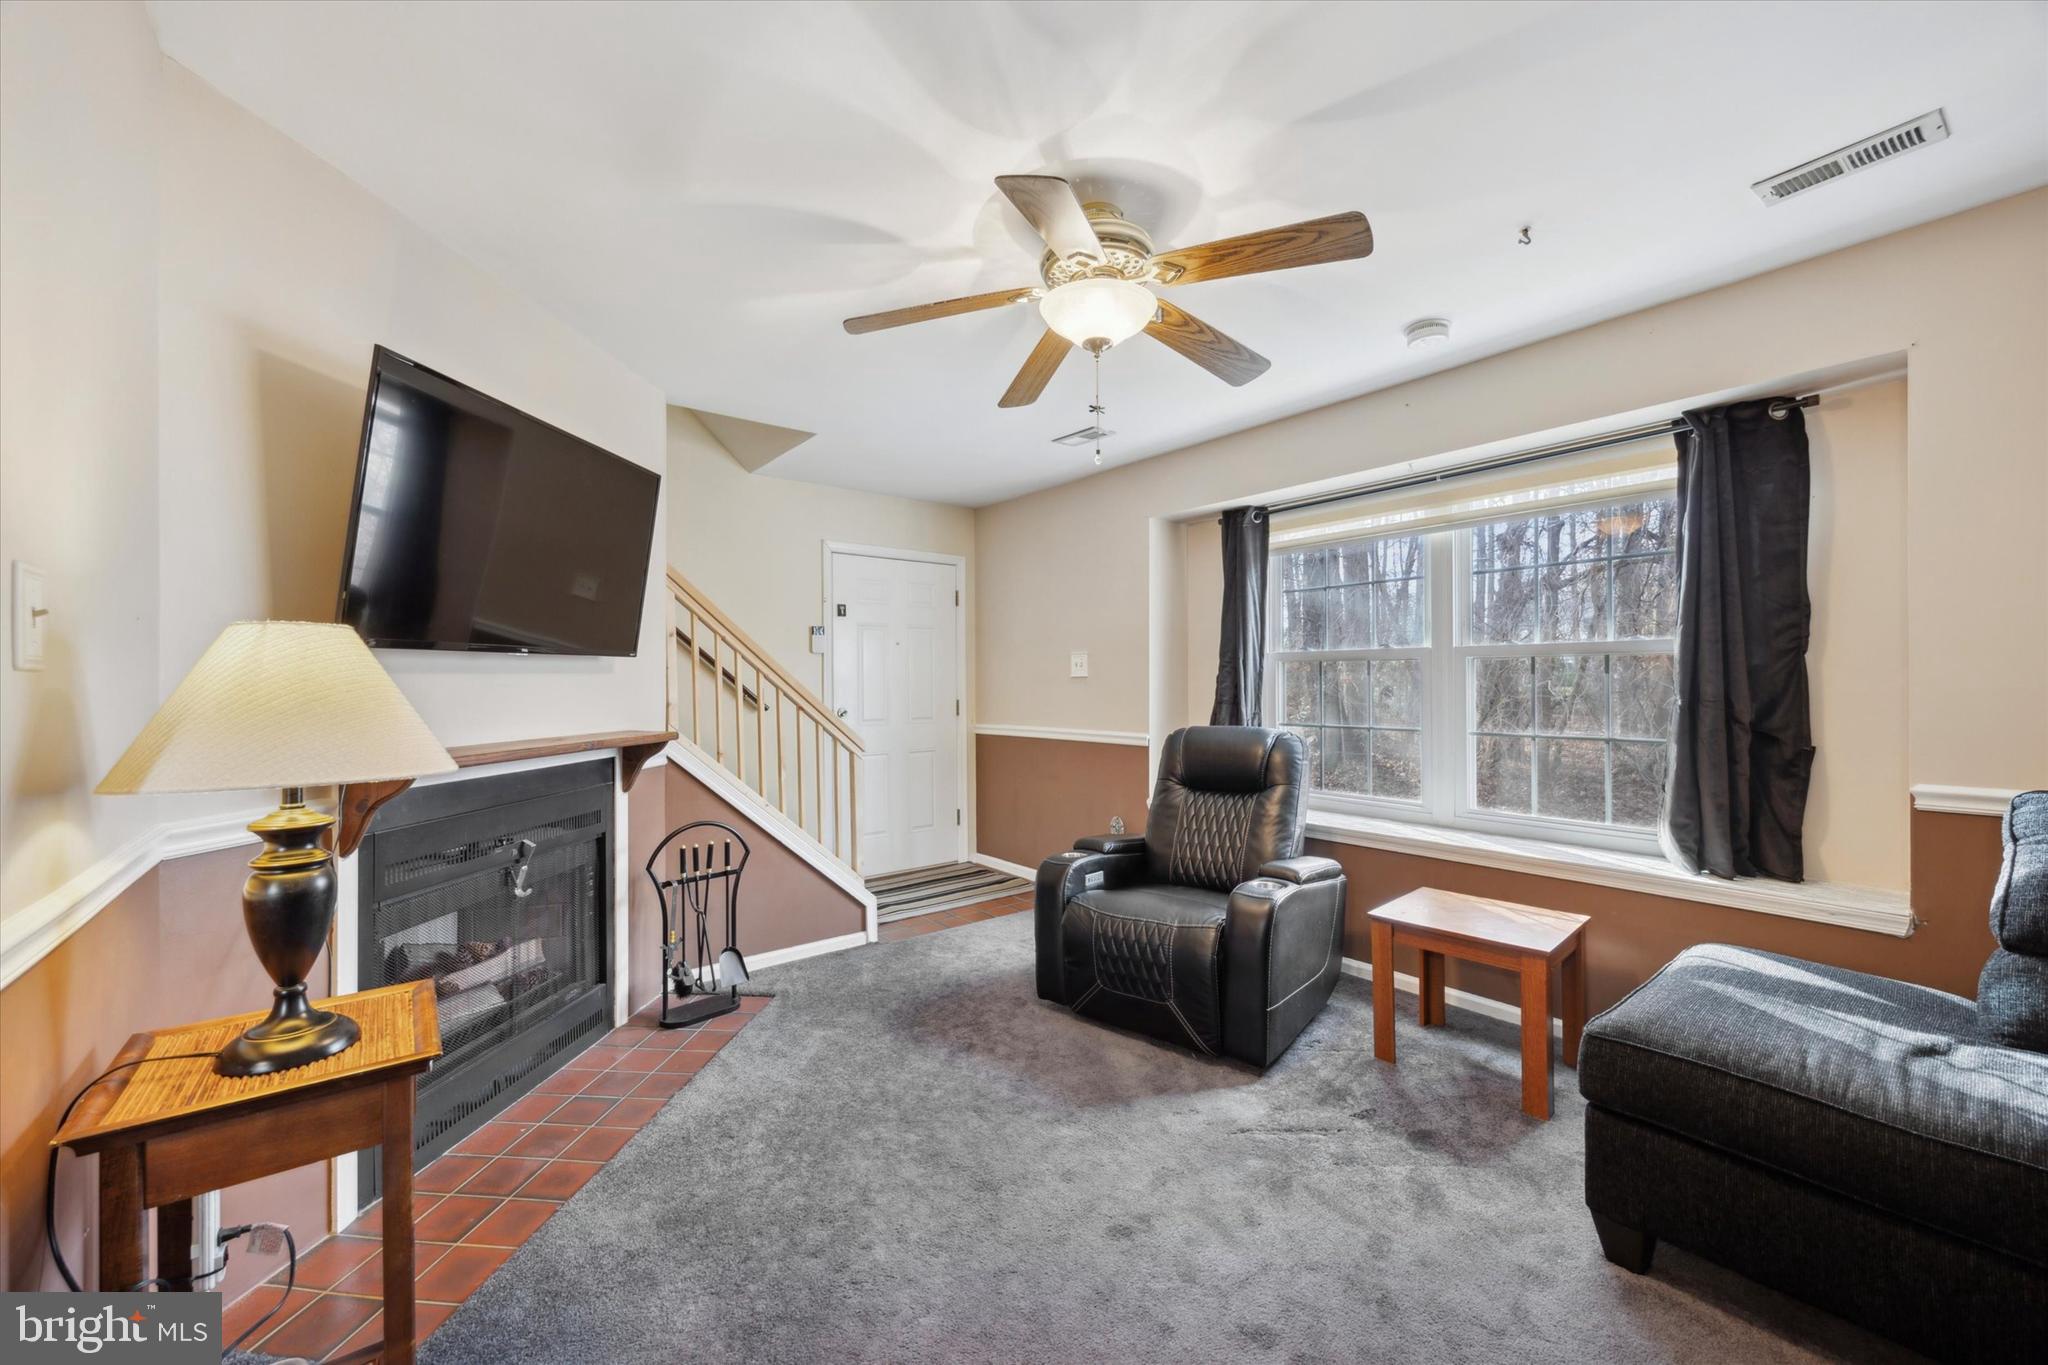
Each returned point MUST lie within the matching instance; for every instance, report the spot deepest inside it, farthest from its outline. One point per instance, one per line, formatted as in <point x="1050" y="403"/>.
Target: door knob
<point x="842" y="713"/>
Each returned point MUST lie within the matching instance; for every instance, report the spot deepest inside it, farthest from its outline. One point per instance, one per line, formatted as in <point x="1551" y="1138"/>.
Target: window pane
<point x="1298" y="693"/>
<point x="1345" y="761"/>
<point x="1645" y="699"/>
<point x="1397" y="692"/>
<point x="1639" y="783"/>
<point x="1574" y="603"/>
<point x="1639" y="528"/>
<point x="1571" y="779"/>
<point x="1395" y="557"/>
<point x="1344" y="692"/>
<point x="1501" y="774"/>
<point x="1571" y="694"/>
<point x="1504" y="545"/>
<point x="1397" y="764"/>
<point x="1400" y="607"/>
<point x="1351" y="562"/>
<point x="1349" y="626"/>
<point x="1503" y="608"/>
<point x="1646" y="598"/>
<point x="1570" y="535"/>
<point x="1312" y="740"/>
<point x="1301" y="619"/>
<point x="1305" y="569"/>
<point x="1500" y="694"/>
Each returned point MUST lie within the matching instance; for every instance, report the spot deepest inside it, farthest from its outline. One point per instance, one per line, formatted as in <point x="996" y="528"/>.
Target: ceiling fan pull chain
<point x="1096" y="408"/>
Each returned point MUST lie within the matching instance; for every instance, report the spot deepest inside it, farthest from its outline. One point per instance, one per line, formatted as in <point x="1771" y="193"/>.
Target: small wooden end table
<point x="1532" y="942"/>
<point x="167" y="1132"/>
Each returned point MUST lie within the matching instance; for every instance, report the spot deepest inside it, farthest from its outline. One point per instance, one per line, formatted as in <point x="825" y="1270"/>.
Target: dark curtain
<point x="1241" y="654"/>
<point x="1743" y="748"/>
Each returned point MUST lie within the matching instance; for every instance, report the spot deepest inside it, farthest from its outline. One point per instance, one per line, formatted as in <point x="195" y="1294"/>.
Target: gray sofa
<point x="1872" y="1147"/>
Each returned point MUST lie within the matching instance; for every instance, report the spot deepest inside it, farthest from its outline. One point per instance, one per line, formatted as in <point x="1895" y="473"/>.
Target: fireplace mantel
<point x="360" y="800"/>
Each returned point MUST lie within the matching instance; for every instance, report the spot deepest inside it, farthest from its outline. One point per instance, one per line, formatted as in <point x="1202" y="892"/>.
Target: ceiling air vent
<point x="1082" y="437"/>
<point x="1857" y="156"/>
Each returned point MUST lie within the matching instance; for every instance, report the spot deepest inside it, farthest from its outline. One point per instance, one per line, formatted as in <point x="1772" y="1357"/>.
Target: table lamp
<point x="287" y="704"/>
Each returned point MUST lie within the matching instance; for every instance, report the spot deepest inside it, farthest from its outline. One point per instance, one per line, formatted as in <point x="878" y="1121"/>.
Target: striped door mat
<point x="924" y="890"/>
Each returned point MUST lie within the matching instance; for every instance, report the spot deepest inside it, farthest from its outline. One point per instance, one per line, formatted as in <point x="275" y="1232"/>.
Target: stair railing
<point x="765" y="728"/>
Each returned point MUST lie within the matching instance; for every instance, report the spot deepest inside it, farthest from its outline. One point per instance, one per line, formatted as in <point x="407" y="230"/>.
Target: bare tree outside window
<point x="1561" y="666"/>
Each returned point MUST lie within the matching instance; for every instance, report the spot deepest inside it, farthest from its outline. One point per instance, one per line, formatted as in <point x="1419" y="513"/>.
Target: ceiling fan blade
<point x="1340" y="237"/>
<point x="1038" y="368"/>
<point x="1050" y="205"/>
<point x="946" y="308"/>
<point x="1228" y="359"/>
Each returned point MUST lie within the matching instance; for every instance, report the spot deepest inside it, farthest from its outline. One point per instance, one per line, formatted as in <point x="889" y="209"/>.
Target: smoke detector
<point x="1427" y="332"/>
<point x="1857" y="156"/>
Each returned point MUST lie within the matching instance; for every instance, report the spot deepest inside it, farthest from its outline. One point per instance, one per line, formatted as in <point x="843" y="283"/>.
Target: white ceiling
<point x="707" y="190"/>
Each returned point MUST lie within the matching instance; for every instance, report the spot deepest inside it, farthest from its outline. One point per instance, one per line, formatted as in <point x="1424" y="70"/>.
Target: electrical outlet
<point x="1077" y="664"/>
<point x="31" y="616"/>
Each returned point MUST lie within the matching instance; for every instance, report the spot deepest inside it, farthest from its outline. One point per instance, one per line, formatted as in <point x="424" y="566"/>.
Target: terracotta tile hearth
<point x="477" y="1205"/>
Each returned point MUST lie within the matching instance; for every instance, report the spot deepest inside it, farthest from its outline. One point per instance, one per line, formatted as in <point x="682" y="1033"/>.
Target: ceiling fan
<point x="1096" y="268"/>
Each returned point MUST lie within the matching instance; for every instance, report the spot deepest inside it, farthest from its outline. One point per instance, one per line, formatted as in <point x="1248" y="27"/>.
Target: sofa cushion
<point x="2019" y="903"/>
<point x="1148" y="958"/>
<point x="1873" y="1088"/>
<point x="2012" y="1000"/>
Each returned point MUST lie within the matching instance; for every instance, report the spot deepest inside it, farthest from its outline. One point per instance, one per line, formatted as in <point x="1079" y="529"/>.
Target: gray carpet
<point x="909" y="1157"/>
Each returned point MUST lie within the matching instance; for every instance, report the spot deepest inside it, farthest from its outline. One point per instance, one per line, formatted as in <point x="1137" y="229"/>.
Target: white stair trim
<point x="785" y="831"/>
<point x="1029" y="874"/>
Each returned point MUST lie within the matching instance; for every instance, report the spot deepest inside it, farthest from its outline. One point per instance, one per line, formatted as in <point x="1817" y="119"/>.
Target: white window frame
<point x="1447" y="749"/>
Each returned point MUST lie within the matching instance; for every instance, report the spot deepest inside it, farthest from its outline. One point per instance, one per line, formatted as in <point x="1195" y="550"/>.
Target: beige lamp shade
<point x="280" y="704"/>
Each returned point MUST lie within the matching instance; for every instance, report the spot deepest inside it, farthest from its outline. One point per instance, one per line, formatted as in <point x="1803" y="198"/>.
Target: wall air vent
<point x="1085" y="436"/>
<point x="1857" y="156"/>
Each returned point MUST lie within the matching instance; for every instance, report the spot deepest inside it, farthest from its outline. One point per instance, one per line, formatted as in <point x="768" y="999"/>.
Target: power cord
<point x="262" y="1245"/>
<point x="50" y="1178"/>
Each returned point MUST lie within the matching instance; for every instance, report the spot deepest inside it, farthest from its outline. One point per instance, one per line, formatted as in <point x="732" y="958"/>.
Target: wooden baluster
<point x="696" y="711"/>
<point x="799" y="727"/>
<point x="717" y="699"/>
<point x="760" y="728"/>
<point x="853" y="805"/>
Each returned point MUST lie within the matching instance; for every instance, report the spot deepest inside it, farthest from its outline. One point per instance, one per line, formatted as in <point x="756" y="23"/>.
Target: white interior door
<point x="896" y="681"/>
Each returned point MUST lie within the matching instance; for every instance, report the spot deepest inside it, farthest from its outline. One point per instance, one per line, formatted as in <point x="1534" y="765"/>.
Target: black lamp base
<point x="288" y="907"/>
<point x="292" y="1035"/>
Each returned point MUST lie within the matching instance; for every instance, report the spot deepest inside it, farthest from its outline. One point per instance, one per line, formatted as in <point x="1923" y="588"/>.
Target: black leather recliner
<point x="1210" y="929"/>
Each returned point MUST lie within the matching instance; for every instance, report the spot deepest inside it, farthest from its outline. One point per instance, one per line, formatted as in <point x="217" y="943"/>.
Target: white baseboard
<point x="1029" y="874"/>
<point x="1464" y="1000"/>
<point x="775" y="957"/>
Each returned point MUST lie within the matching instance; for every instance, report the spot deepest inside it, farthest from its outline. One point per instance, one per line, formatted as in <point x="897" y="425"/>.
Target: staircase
<point x="762" y="740"/>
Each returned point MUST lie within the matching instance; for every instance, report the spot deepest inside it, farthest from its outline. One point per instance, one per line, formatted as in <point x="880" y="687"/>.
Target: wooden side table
<point x="1534" y="943"/>
<point x="169" y="1131"/>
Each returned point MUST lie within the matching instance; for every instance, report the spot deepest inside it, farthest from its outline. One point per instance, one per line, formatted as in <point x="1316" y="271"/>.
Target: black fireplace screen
<point x="496" y="889"/>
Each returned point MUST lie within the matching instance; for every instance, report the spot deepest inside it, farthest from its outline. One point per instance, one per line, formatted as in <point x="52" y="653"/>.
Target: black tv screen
<point x="478" y="527"/>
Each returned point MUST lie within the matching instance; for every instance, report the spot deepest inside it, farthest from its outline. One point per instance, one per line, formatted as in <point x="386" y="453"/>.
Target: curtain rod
<point x="1779" y="410"/>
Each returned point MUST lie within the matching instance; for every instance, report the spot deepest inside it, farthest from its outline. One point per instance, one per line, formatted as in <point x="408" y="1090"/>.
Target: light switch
<point x="30" y="616"/>
<point x="1077" y="665"/>
<point x="817" y="639"/>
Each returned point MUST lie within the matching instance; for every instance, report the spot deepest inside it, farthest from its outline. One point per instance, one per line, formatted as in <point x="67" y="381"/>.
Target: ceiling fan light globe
<point x="1098" y="310"/>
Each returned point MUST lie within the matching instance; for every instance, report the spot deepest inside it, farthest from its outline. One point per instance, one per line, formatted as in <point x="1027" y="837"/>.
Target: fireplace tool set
<point x="694" y="986"/>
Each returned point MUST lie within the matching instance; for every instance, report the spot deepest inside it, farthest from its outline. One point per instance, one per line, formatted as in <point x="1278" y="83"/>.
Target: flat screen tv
<point x="477" y="527"/>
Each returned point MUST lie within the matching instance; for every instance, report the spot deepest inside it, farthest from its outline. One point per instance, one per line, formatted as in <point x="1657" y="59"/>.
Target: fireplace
<point x="499" y="890"/>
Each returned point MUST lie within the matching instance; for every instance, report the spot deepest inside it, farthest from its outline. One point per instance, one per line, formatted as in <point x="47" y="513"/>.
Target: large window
<point x="1515" y="674"/>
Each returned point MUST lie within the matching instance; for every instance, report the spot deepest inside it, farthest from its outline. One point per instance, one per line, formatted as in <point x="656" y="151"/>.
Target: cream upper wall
<point x="78" y="425"/>
<point x="189" y="305"/>
<point x="277" y="277"/>
<point x="755" y="544"/>
<point x="1963" y="298"/>
<point x="1856" y="821"/>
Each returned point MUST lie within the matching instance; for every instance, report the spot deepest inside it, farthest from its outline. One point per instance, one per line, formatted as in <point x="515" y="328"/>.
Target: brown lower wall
<point x="784" y="901"/>
<point x="171" y="949"/>
<point x="168" y="950"/>
<point x="1035" y="796"/>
